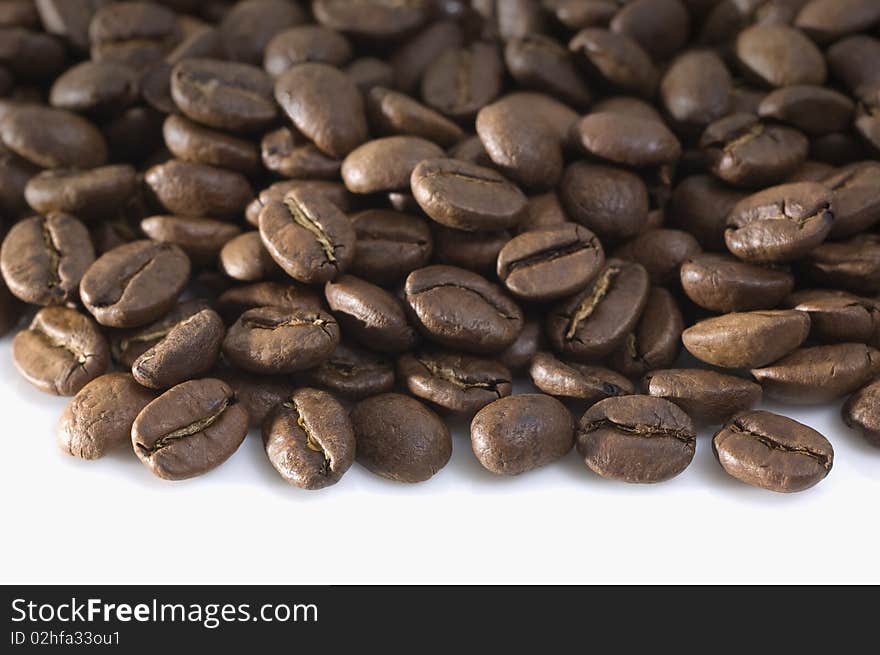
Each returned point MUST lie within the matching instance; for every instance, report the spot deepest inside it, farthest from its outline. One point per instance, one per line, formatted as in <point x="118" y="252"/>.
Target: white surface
<point x="111" y="521"/>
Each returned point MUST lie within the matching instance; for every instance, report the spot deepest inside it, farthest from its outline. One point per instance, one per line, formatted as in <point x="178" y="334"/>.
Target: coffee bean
<point x="510" y="19"/>
<point x="274" y="340"/>
<point x="611" y="202"/>
<point x="544" y="211"/>
<point x="772" y="452"/>
<point x="811" y="171"/>
<point x="849" y="60"/>
<point x="781" y="223"/>
<point x="815" y="110"/>
<point x="628" y="106"/>
<point x="373" y="19"/>
<point x="399" y="438"/>
<point x="249" y="26"/>
<point x="627" y="140"/>
<point x="551" y="263"/>
<point x="747" y="339"/>
<point x="236" y="301"/>
<point x="840" y="317"/>
<point x="61" y="351"/>
<point x="391" y="112"/>
<point x="617" y="59"/>
<point x="819" y="374"/>
<point x="132" y="33"/>
<point x="99" y="418"/>
<point x="637" y="439"/>
<point x="370" y="314"/>
<point x="43" y="258"/>
<point x="189" y="430"/>
<point x="190" y="189"/>
<point x="656" y="340"/>
<point x="69" y="19"/>
<point x="855" y="199"/>
<point x="53" y="138"/>
<point x="660" y="26"/>
<point x="135" y="283"/>
<point x="461" y="81"/>
<point x="461" y="310"/>
<point x="539" y="62"/>
<point x="88" y="194"/>
<point x="829" y="20"/>
<point x="474" y="251"/>
<point x="696" y="89"/>
<point x="30" y="55"/>
<point x="309" y="439"/>
<point x="288" y="153"/>
<point x="593" y="323"/>
<point x="723" y="284"/>
<point x="386" y="164"/>
<point x="574" y="380"/>
<point x="369" y="72"/>
<point x="353" y="373"/>
<point x="257" y="394"/>
<point x="518" y="434"/>
<point x="471" y="149"/>
<point x="325" y="105"/>
<point x="708" y="397"/>
<point x="518" y="355"/>
<point x="191" y="142"/>
<point x="577" y="14"/>
<point x="458" y="383"/>
<point x="860" y="412"/>
<point x="245" y="258"/>
<point x="853" y="265"/>
<point x="308" y="236"/>
<point x="778" y="55"/>
<point x="335" y="192"/>
<point x="701" y="205"/>
<point x="412" y="58"/>
<point x="128" y="345"/>
<point x="200" y="238"/>
<point x="305" y="43"/>
<point x="390" y="245"/>
<point x="661" y="251"/>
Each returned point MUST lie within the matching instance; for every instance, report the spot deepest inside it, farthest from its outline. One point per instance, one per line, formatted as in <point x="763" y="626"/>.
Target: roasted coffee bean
<point x="781" y="223"/>
<point x="69" y="19"/>
<point x="539" y="62"/>
<point x="475" y="251"/>
<point x="249" y="26"/>
<point x="629" y="106"/>
<point x="30" y="55"/>
<point x="656" y="341"/>
<point x="747" y="339"/>
<point x="386" y="164"/>
<point x="190" y="429"/>
<point x="370" y="314"/>
<point x="373" y="19"/>
<point x="325" y="105"/>
<point x="223" y="95"/>
<point x="627" y="140"/>
<point x="661" y="251"/>
<point x="52" y="138"/>
<point x="696" y="89"/>
<point x="275" y="340"/>
<point x="135" y="283"/>
<point x="544" y="211"/>
<point x="133" y="33"/>
<point x="746" y="152"/>
<point x="510" y="19"/>
<point x="855" y="198"/>
<point x="287" y="295"/>
<point x="410" y="61"/>
<point x="849" y="60"/>
<point x="617" y="59"/>
<point x="258" y="394"/>
<point x="465" y="196"/>
<point x="190" y="189"/>
<point x="638" y="439"/>
<point x="288" y="153"/>
<point x="61" y="351"/>
<point x="458" y="383"/>
<point x="390" y="245"/>
<point x="829" y="20"/>
<point x="335" y="192"/>
<point x="87" y="194"/>
<point x="134" y="134"/>
<point x="819" y="374"/>
<point x="369" y="72"/>
<point x="577" y="14"/>
<point x="811" y="171"/>
<point x="43" y="258"/>
<point x="245" y="258"/>
<point x="660" y="26"/>
<point x="778" y="55"/>
<point x="721" y="283"/>
<point x="840" y="317"/>
<point x="309" y="439"/>
<point x="518" y="355"/>
<point x="518" y="434"/>
<point x="200" y="238"/>
<point x="305" y="43"/>
<point x="99" y="87"/>
<point x="853" y="265"/>
<point x="191" y="142"/>
<point x="461" y="81"/>
<point x="701" y="205"/>
<point x="838" y="149"/>
<point x="399" y="438"/>
<point x="99" y="418"/>
<point x="708" y="397"/>
<point x="593" y="323"/>
<point x="187" y="351"/>
<point x="574" y="380"/>
<point x="862" y="412"/>
<point x="462" y="310"/>
<point x="308" y="236"/>
<point x="772" y="452"/>
<point x="611" y="202"/>
<point x="128" y="345"/>
<point x="815" y="110"/>
<point x="551" y="263"/>
<point x="353" y="373"/>
<point x="391" y="112"/>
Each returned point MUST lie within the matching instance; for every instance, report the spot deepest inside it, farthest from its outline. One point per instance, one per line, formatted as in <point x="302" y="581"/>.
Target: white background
<point x="110" y="521"/>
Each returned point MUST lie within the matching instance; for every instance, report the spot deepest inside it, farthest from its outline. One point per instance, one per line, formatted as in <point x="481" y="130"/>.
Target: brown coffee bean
<point x="30" y="55"/>
<point x="128" y="345"/>
<point x="544" y="211"/>
<point x="386" y="164"/>
<point x="274" y="340"/>
<point x="551" y="263"/>
<point x="458" y="383"/>
<point x="200" y="238"/>
<point x="245" y="258"/>
<point x="474" y="251"/>
<point x="521" y="433"/>
<point x="135" y="283"/>
<point x="636" y="439"/>
<point x="190" y="189"/>
<point x="661" y="251"/>
<point x="627" y="140"/>
<point x="819" y="374"/>
<point x="656" y="341"/>
<point x="708" y="397"/>
<point x="191" y="142"/>
<point x="577" y="14"/>
<point x="325" y="105"/>
<point x="574" y="380"/>
<point x="258" y="394"/>
<point x="856" y="198"/>
<point x="99" y="418"/>
<point x="518" y="355"/>
<point x="772" y="452"/>
<point x="539" y="62"/>
<point x="308" y="236"/>
<point x="102" y="88"/>
<point x="701" y="205"/>
<point x="133" y="33"/>
<point x="617" y="59"/>
<point x="829" y="20"/>
<point x="747" y="339"/>
<point x="778" y="55"/>
<point x="289" y="154"/>
<point x="309" y="439"/>
<point x="849" y="60"/>
<point x="860" y="412"/>
<point x="853" y="265"/>
<point x="53" y="138"/>
<point x="189" y="430"/>
<point x="696" y="89"/>
<point x="660" y="26"/>
<point x="840" y="317"/>
<point x="69" y="19"/>
<point x="815" y="110"/>
<point x="399" y="438"/>
<point x="373" y="19"/>
<point x="412" y="59"/>
<point x="593" y="323"/>
<point x="287" y="295"/>
<point x="335" y="192"/>
<point x="249" y="26"/>
<point x="391" y="112"/>
<point x="353" y="373"/>
<point x="369" y="72"/>
<point x="721" y="283"/>
<point x="43" y="258"/>
<point x="462" y="310"/>
<point x="61" y="351"/>
<point x="390" y="245"/>
<point x="305" y="43"/>
<point x="471" y="149"/>
<point x="88" y="194"/>
<point x="461" y="81"/>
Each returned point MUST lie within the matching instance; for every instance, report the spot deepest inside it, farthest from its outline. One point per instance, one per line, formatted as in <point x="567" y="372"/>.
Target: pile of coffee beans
<point x="346" y="222"/>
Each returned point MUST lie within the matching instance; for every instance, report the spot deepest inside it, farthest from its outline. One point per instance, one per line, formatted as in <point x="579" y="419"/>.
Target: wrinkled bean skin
<point x="574" y="380"/>
<point x="860" y="412"/>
